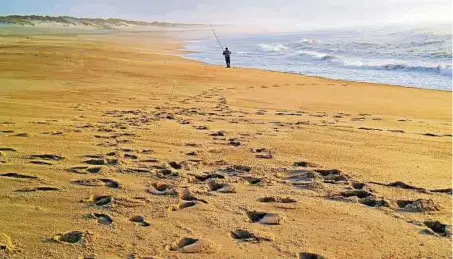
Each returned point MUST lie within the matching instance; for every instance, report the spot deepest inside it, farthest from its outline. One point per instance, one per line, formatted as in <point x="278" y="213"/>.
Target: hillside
<point x="93" y="23"/>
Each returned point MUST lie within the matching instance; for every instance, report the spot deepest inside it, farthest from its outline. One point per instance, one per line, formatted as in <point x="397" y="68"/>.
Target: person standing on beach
<point x="227" y="55"/>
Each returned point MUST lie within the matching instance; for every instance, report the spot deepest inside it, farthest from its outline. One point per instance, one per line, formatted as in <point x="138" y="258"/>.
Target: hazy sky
<point x="298" y="13"/>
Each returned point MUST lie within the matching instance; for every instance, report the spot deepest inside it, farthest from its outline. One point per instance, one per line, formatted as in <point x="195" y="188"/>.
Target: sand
<point x="112" y="146"/>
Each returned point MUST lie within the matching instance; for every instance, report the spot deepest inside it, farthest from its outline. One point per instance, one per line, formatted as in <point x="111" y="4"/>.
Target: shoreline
<point x="188" y="43"/>
<point x="312" y="76"/>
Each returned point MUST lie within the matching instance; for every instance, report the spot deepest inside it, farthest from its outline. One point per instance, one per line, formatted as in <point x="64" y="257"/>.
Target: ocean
<point x="415" y="57"/>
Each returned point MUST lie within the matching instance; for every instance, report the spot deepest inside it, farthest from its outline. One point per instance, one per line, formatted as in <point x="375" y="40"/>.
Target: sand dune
<point x="110" y="148"/>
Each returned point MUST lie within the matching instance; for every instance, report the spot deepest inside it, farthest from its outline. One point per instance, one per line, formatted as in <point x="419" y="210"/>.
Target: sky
<point x="294" y="13"/>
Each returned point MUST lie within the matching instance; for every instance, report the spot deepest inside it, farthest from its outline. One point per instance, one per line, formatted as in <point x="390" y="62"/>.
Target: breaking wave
<point x="272" y="47"/>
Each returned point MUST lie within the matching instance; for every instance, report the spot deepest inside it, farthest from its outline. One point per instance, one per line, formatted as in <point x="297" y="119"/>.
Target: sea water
<point x="415" y="57"/>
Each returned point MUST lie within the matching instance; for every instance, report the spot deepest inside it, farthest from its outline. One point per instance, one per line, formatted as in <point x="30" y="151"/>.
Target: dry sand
<point x="97" y="130"/>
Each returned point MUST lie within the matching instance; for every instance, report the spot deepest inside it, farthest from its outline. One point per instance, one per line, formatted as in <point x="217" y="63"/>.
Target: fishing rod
<point x="220" y="44"/>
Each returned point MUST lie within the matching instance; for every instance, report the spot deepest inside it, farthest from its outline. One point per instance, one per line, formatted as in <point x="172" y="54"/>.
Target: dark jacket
<point x="227" y="53"/>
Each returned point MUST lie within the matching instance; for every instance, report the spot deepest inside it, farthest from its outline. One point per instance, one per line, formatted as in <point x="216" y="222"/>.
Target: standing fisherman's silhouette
<point x="227" y="55"/>
<point x="226" y="52"/>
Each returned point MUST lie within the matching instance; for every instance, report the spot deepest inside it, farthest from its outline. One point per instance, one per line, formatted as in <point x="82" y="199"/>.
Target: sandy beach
<point x="113" y="146"/>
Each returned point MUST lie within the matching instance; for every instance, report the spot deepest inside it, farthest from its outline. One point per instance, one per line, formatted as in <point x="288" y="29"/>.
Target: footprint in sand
<point x="18" y="176"/>
<point x="98" y="182"/>
<point x="447" y="191"/>
<point x="192" y="245"/>
<point x="305" y="164"/>
<point x="3" y="158"/>
<point x="100" y="200"/>
<point x="39" y="189"/>
<point x="361" y="194"/>
<point x="243" y="235"/>
<point x="102" y="219"/>
<point x="277" y="200"/>
<point x="23" y="135"/>
<point x="307" y="255"/>
<point x="397" y="131"/>
<point x="437" y="228"/>
<point x="72" y="237"/>
<point x="175" y="165"/>
<point x="186" y="195"/>
<point x="420" y="205"/>
<point x="101" y="162"/>
<point x="263" y="218"/>
<point x="6" y="244"/>
<point x="202" y="178"/>
<point x="161" y="189"/>
<point x="235" y="170"/>
<point x="253" y="180"/>
<point x="234" y="143"/>
<point x="401" y="185"/>
<point x="332" y="176"/>
<point x="215" y="186"/>
<point x="140" y="221"/>
<point x="40" y="163"/>
<point x="7" y="149"/>
<point x="85" y="170"/>
<point x="183" y="205"/>
<point x="47" y="157"/>
<point x="372" y="201"/>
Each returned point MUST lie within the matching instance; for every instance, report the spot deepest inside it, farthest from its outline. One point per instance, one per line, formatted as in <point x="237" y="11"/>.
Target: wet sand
<point x="112" y="146"/>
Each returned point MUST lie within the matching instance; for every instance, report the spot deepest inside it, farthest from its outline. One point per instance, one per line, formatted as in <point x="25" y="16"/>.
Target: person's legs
<point x="227" y="59"/>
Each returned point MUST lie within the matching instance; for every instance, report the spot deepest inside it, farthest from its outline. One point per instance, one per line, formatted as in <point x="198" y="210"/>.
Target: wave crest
<point x="272" y="47"/>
